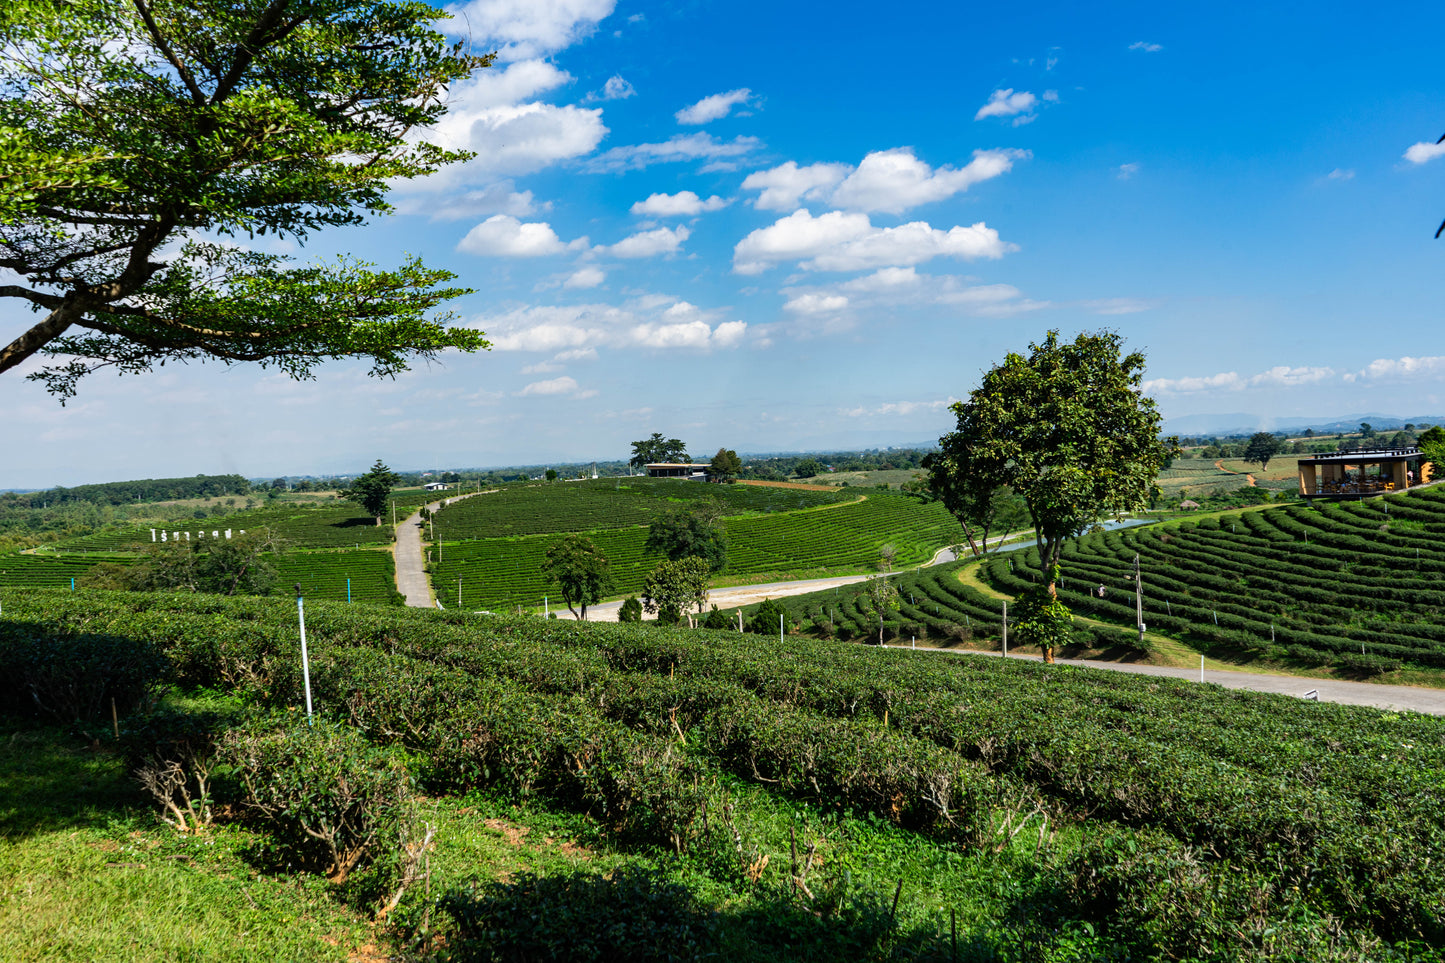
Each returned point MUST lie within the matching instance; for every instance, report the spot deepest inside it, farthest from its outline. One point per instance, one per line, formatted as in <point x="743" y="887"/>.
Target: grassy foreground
<point x="630" y="792"/>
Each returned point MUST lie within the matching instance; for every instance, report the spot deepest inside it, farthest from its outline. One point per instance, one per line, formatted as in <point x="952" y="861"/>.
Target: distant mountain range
<point x="1243" y="424"/>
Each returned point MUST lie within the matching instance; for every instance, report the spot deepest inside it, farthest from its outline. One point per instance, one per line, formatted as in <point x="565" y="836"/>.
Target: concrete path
<point x="731" y="596"/>
<point x="411" y="579"/>
<point x="1397" y="697"/>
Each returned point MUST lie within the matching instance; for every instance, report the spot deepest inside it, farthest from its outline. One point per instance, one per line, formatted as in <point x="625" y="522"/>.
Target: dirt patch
<point x="515" y="834"/>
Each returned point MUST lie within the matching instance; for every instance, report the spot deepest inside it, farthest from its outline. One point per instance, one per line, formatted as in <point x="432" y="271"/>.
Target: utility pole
<point x="1139" y="598"/>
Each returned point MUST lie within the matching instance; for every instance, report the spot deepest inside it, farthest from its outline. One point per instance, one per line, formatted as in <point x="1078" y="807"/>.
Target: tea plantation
<point x="780" y="800"/>
<point x="846" y="535"/>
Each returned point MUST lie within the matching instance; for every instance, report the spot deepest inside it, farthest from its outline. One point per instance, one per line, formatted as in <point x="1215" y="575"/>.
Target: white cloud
<point x="541" y="367"/>
<point x="895" y="180"/>
<point x="1395" y="368"/>
<point x="648" y="243"/>
<point x="504" y="236"/>
<point x="564" y="385"/>
<point x="511" y="139"/>
<point x="683" y="147"/>
<point x="575" y="332"/>
<point x="497" y="198"/>
<point x="617" y="89"/>
<point x="527" y="28"/>
<point x="1280" y="376"/>
<point x="515" y="83"/>
<point x="1125" y="171"/>
<point x="1007" y="103"/>
<point x="816" y="303"/>
<point x="887" y="180"/>
<point x="713" y="108"/>
<point x="681" y="204"/>
<point x="1425" y="151"/>
<point x="886" y="279"/>
<point x="1340" y="174"/>
<point x="585" y="277"/>
<point x="901" y="407"/>
<point x="786" y="185"/>
<point x="839" y="241"/>
<point x="1145" y="46"/>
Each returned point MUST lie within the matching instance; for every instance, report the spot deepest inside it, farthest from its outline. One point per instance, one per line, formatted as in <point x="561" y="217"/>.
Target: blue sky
<point x="803" y="226"/>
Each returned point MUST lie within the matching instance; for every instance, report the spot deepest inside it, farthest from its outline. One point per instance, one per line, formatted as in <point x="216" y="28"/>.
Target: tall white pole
<point x="1005" y="628"/>
<point x="305" y="660"/>
<point x="1201" y="668"/>
<point x="780" y="626"/>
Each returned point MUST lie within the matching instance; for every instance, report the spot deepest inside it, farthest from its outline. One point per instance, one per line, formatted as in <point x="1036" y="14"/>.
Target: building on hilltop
<point x="684" y="470"/>
<point x="1364" y="471"/>
<point x="438" y="487"/>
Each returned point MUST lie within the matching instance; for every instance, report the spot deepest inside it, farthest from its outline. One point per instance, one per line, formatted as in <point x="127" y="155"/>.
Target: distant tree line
<point x="143" y="490"/>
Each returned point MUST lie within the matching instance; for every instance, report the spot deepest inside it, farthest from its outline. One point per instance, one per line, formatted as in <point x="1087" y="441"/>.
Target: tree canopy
<point x="1066" y="429"/>
<point x="138" y="138"/>
<point x="695" y="532"/>
<point x="372" y="490"/>
<point x="1432" y="447"/>
<point x="1262" y="446"/>
<point x="651" y="451"/>
<point x="676" y="587"/>
<point x="725" y="465"/>
<point x="580" y="570"/>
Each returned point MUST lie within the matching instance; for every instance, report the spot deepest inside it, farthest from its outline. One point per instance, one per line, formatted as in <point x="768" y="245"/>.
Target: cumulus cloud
<point x="1125" y="171"/>
<point x="511" y="139"/>
<point x="895" y="180"/>
<point x="889" y="180"/>
<point x="512" y="84"/>
<point x="585" y="277"/>
<point x="1007" y="103"/>
<point x="564" y="385"/>
<point x="1425" y="151"/>
<point x="573" y="332"/>
<point x="519" y="29"/>
<point x="683" y="147"/>
<point x="885" y="279"/>
<point x="786" y="185"/>
<point x="1401" y="368"/>
<point x="1280" y="376"/>
<point x="504" y="236"/>
<point x="839" y="241"/>
<point x="816" y="303"/>
<point x="681" y="204"/>
<point x="1145" y="46"/>
<point x="663" y="240"/>
<point x="713" y="108"/>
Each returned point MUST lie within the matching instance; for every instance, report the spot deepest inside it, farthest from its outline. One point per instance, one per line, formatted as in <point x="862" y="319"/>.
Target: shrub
<point x="633" y="915"/>
<point x="717" y="620"/>
<point x="1367" y="664"/>
<point x="326" y="796"/>
<point x="75" y="677"/>
<point x="631" y="610"/>
<point x="765" y="617"/>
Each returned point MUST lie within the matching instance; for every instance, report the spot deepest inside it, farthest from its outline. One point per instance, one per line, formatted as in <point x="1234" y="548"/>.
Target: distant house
<point x="438" y="487"/>
<point x="684" y="470"/>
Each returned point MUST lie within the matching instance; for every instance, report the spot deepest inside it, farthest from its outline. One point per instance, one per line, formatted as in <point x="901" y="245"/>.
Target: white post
<point x="153" y="534"/>
<point x="1201" y="668"/>
<point x="740" y="620"/>
<point x="546" y="611"/>
<point x="780" y="626"/>
<point x="305" y="660"/>
<point x="1005" y="628"/>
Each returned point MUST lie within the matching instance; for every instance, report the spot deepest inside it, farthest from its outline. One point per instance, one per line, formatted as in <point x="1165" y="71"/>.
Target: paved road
<point x="1430" y="701"/>
<point x="411" y="579"/>
<point x="731" y="596"/>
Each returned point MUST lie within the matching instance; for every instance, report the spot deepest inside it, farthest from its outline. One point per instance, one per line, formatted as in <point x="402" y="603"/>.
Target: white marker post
<point x="1201" y="668"/>
<point x="780" y="627"/>
<point x="1005" y="628"/>
<point x="305" y="661"/>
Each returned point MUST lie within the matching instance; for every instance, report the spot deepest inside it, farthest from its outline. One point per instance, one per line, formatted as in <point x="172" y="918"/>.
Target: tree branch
<point x="40" y="335"/>
<point x="198" y="97"/>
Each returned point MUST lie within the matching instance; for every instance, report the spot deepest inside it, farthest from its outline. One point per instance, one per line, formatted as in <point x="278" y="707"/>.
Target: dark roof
<point x="1364" y="454"/>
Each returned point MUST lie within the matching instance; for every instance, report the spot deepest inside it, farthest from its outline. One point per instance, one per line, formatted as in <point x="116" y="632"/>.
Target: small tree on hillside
<point x="580" y="570"/>
<point x="695" y="532"/>
<point x="372" y="490"/>
<point x="1262" y="446"/>
<point x="807" y="468"/>
<point x="878" y="599"/>
<point x="675" y="588"/>
<point x="1432" y="447"/>
<point x="1067" y="429"/>
<point x="725" y="465"/>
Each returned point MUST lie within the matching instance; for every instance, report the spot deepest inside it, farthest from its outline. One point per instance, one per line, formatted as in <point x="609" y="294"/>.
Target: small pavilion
<point x="1364" y="471"/>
